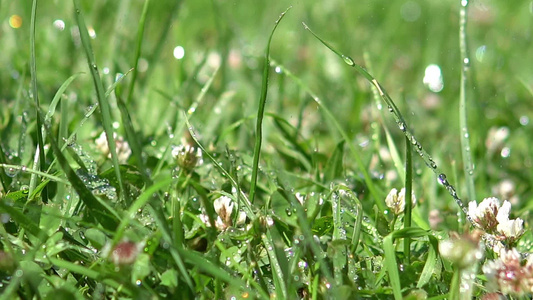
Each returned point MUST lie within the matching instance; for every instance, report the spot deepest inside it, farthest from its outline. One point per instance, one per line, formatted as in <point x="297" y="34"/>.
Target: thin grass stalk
<point x="402" y="125"/>
<point x="468" y="166"/>
<point x="33" y="74"/>
<point x="140" y="34"/>
<point x="100" y="94"/>
<point x="261" y="111"/>
<point x="408" y="196"/>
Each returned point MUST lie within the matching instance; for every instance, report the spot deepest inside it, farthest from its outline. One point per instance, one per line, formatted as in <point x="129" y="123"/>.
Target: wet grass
<point x="268" y="124"/>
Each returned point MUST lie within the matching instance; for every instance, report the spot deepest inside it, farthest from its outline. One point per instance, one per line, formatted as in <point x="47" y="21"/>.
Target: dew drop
<point x="348" y="60"/>
<point x="401" y="125"/>
<point x="442" y="179"/>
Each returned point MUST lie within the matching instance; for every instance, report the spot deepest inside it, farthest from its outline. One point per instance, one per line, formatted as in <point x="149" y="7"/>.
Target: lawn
<point x="254" y="150"/>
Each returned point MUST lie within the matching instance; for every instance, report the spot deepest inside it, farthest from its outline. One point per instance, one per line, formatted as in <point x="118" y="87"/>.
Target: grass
<point x="288" y="136"/>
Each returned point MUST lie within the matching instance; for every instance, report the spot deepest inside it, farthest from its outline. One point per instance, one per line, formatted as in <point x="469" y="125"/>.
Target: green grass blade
<point x="140" y="34"/>
<point x="138" y="204"/>
<point x="278" y="275"/>
<point x="468" y="165"/>
<point x="100" y="92"/>
<point x="408" y="196"/>
<point x="33" y="73"/>
<point x="261" y="111"/>
<point x="102" y="212"/>
<point x="175" y="252"/>
<point x="23" y="221"/>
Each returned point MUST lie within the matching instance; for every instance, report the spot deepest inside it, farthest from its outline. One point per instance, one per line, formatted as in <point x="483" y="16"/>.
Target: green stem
<point x="465" y="136"/>
<point x="33" y="74"/>
<point x="261" y="111"/>
<point x="408" y="196"/>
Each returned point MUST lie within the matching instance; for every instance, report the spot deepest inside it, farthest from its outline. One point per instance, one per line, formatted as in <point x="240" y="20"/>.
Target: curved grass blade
<point x="100" y="92"/>
<point x="400" y="121"/>
<point x="102" y="212"/>
<point x="261" y="111"/>
<point x="23" y="221"/>
<point x="138" y="204"/>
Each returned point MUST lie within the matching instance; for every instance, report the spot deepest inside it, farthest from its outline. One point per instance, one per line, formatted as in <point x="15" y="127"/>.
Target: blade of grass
<point x="468" y="166"/>
<point x="23" y="221"/>
<point x="100" y="94"/>
<point x="408" y="197"/>
<point x="140" y="34"/>
<point x="390" y="256"/>
<point x="47" y="120"/>
<point x="138" y="204"/>
<point x="278" y="275"/>
<point x="101" y="211"/>
<point x="261" y="111"/>
<point x="33" y="74"/>
<point x="38" y="173"/>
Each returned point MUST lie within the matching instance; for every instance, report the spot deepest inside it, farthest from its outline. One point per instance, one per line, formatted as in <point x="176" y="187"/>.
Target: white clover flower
<point x="510" y="230"/>
<point x="122" y="147"/>
<point x="187" y="157"/>
<point x="485" y="213"/>
<point x="494" y="219"/>
<point x="224" y="208"/>
<point x="396" y="201"/>
<point x="508" y="275"/>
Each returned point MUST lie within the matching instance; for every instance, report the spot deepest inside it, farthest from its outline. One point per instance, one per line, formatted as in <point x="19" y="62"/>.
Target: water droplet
<point x="401" y="125"/>
<point x="348" y="60"/>
<point x="442" y="179"/>
<point x="11" y="172"/>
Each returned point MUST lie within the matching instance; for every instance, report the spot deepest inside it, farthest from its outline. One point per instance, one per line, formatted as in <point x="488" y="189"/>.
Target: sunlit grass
<point x="257" y="164"/>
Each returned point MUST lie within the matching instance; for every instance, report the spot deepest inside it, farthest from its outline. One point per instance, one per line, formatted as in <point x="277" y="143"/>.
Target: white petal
<point x="503" y="212"/>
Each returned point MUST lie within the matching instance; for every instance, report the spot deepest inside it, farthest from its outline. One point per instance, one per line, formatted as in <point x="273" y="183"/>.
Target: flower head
<point x="187" y="157"/>
<point x="122" y="147"/>
<point x="224" y="207"/>
<point x="507" y="274"/>
<point x="123" y="253"/>
<point x="494" y="219"/>
<point x="396" y="201"/>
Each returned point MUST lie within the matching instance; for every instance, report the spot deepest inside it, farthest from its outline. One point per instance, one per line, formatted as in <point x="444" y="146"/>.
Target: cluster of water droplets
<point x="97" y="185"/>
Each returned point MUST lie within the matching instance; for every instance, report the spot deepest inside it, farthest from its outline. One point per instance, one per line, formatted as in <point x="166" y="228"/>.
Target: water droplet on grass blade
<point x="348" y="60"/>
<point x="442" y="179"/>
